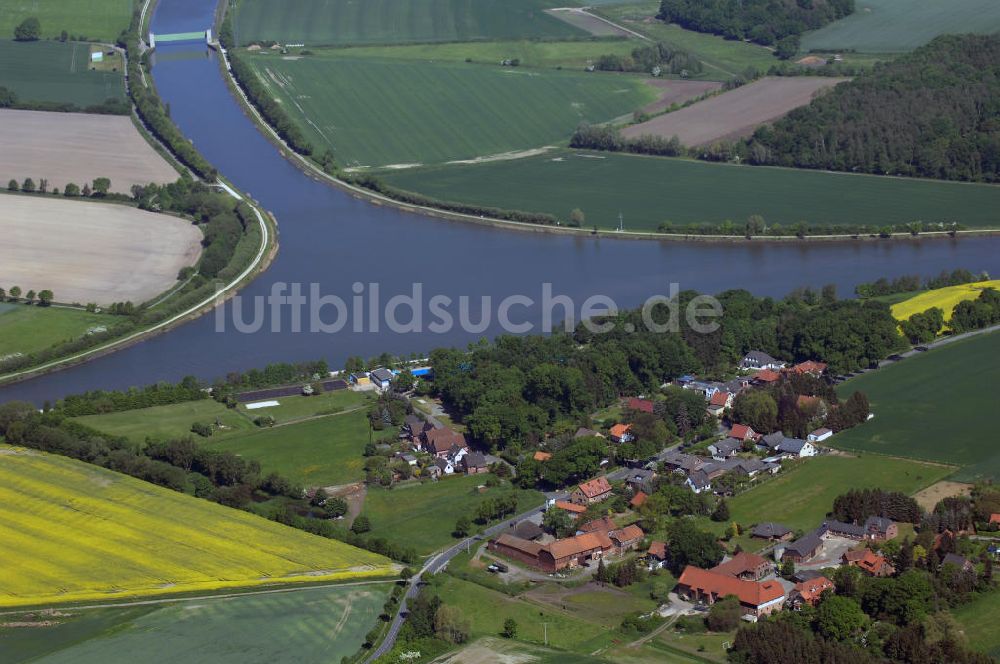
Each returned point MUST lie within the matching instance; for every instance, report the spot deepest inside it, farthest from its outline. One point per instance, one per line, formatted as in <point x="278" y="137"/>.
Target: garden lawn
<point x="56" y="72"/>
<point x="943" y="298"/>
<point x="650" y="190"/>
<point x="979" y="621"/>
<point x="73" y="532"/>
<point x="325" y="451"/>
<point x="722" y="58"/>
<point x="82" y="19"/>
<point x="939" y="405"/>
<point x="339" y="22"/>
<point x="892" y="26"/>
<point x="29" y="329"/>
<point x="394" y="112"/>
<point x="486" y="610"/>
<point x="800" y="497"/>
<point x="167" y="422"/>
<point x="308" y="624"/>
<point x="423" y="515"/>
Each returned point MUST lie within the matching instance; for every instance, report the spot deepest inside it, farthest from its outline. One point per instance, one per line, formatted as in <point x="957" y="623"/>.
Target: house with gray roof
<point x="758" y="359"/>
<point x="804" y="548"/>
<point x="796" y="447"/>
<point x="770" y="530"/>
<point x="724" y="449"/>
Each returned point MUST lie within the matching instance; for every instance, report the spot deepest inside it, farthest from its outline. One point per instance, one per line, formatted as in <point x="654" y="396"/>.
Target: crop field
<point x="737" y="113"/>
<point x="722" y="58"/>
<point x="323" y="452"/>
<point x="339" y="22"/>
<point x="304" y="624"/>
<point x="423" y="515"/>
<point x="938" y="406"/>
<point x="978" y="619"/>
<point x="892" y="26"/>
<point x="943" y="298"/>
<point x="651" y="190"/>
<point x="76" y="147"/>
<point x="102" y="20"/>
<point x="26" y="330"/>
<point x="385" y="112"/>
<point x="85" y="251"/>
<point x="56" y="72"/>
<point x="72" y="532"/>
<point x="802" y="496"/>
<point x="588" y="22"/>
<point x="566" y="54"/>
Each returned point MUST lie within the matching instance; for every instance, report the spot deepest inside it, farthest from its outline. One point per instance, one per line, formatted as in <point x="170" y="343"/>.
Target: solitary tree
<point x="30" y="296"/>
<point x="509" y="628"/>
<point x="15" y="293"/>
<point x="721" y="512"/>
<point x="577" y="218"/>
<point x="101" y="186"/>
<point x="71" y="190"/>
<point x="29" y="30"/>
<point x="28" y="186"/>
<point x="13" y="185"/>
<point x="361" y="525"/>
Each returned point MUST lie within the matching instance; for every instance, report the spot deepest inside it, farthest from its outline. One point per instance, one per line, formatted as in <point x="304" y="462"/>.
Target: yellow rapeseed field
<point x="72" y="532"/>
<point x="945" y="298"/>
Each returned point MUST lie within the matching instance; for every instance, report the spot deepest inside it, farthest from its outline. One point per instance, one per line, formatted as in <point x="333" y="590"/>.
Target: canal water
<point x="329" y="238"/>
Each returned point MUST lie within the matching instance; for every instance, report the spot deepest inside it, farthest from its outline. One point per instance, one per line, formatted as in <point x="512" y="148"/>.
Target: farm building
<point x="757" y="598"/>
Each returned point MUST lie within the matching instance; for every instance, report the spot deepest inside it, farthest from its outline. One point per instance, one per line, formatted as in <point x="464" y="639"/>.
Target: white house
<point x="796" y="447"/>
<point x="819" y="435"/>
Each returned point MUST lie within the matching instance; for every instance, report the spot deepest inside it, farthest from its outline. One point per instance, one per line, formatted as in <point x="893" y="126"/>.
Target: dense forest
<point x="767" y="22"/>
<point x="933" y="113"/>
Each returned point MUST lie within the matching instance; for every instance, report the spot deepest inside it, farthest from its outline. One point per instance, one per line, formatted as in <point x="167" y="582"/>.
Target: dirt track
<point x="737" y="113"/>
<point x="77" y="147"/>
<point x="92" y="252"/>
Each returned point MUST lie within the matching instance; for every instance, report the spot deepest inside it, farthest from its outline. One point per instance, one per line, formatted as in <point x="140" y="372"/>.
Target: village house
<point x="757" y="359"/>
<point x="766" y="377"/>
<point x="440" y="442"/>
<point x="626" y="539"/>
<point x="475" y="463"/>
<point x="819" y="435"/>
<point x="809" y="592"/>
<point x="414" y="428"/>
<point x="590" y="492"/>
<point x="638" y="499"/>
<point x="641" y="479"/>
<point x="719" y="402"/>
<point x="961" y="562"/>
<point x="642" y="405"/>
<point x="574" y="509"/>
<point x="621" y="433"/>
<point x="875" y="528"/>
<point x="757" y="598"/>
<point x="567" y="553"/>
<point x="746" y="566"/>
<point x="772" y="531"/>
<point x="744" y="432"/>
<point x="725" y="449"/>
<point x="657" y="553"/>
<point x="811" y="367"/>
<point x="584" y="432"/>
<point x="788" y="447"/>
<point x="802" y="549"/>
<point x="869" y="562"/>
<point x="698" y="481"/>
<point x="542" y="457"/>
<point x="381" y="378"/>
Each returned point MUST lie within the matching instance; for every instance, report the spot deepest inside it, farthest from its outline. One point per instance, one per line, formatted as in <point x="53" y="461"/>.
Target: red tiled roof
<point x="741" y="563"/>
<point x="741" y="432"/>
<point x="627" y="534"/>
<point x="620" y="430"/>
<point x="750" y="593"/>
<point x="720" y="398"/>
<point x="542" y="456"/>
<point x="572" y="546"/>
<point x="767" y="376"/>
<point x="810" y="366"/>
<point x="519" y="544"/>
<point x="645" y="405"/>
<point x="570" y="507"/>
<point x="811" y="590"/>
<point x="658" y="550"/>
<point x="804" y="401"/>
<point x="638" y="499"/>
<point x="994" y="518"/>
<point x="867" y="560"/>
<point x="441" y="440"/>
<point x="595" y="487"/>
<point x="603" y="525"/>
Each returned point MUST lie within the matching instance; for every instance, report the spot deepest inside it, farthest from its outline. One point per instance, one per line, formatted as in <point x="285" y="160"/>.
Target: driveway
<point x="830" y="555"/>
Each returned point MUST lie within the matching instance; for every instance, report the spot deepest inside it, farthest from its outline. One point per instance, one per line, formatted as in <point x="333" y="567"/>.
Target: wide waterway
<point x="329" y="238"/>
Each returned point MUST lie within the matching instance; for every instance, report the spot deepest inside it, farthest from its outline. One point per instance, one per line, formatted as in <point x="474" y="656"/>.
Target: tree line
<point x="99" y="188"/>
<point x="652" y="59"/>
<point x="44" y="297"/>
<point x="931" y="113"/>
<point x="914" y="282"/>
<point x="110" y="106"/>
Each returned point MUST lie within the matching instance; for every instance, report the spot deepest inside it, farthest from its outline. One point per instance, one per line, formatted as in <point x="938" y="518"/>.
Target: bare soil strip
<point x="677" y="92"/>
<point x="735" y="114"/>
<point x="92" y="252"/>
<point x="932" y="495"/>
<point x="77" y="147"/>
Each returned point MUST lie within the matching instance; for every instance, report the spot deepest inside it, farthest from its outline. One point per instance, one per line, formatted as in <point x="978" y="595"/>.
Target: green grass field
<point x="74" y="532"/>
<point x="308" y="624"/>
<point x="938" y="405"/>
<point x="722" y="58"/>
<point x="173" y="421"/>
<point x="892" y="26"/>
<point x="330" y="22"/>
<point x="321" y="452"/>
<point x="567" y="54"/>
<point x="101" y="20"/>
<point x="423" y="515"/>
<point x="651" y="190"/>
<point x="56" y="72"/>
<point x="382" y="112"/>
<point x="290" y="409"/>
<point x="979" y="621"/>
<point x="802" y="496"/>
<point x="28" y="329"/>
